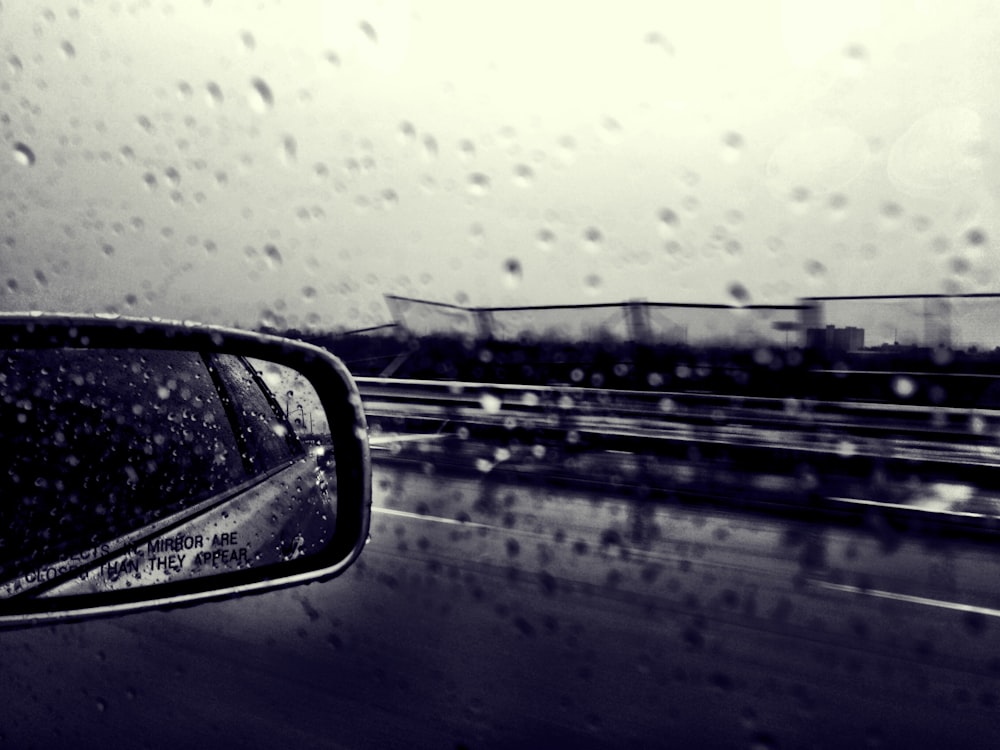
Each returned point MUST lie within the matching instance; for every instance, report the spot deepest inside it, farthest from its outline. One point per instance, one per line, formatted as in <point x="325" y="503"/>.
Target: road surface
<point x="492" y="612"/>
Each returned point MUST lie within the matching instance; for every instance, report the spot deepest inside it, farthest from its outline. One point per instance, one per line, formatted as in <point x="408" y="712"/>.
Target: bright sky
<point x="241" y="163"/>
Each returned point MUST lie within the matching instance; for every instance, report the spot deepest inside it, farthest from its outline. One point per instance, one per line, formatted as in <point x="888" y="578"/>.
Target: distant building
<point x="831" y="338"/>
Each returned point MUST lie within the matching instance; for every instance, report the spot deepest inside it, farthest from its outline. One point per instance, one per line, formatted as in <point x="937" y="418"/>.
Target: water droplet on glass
<point x="732" y="146"/>
<point x="289" y="149"/>
<point x="546" y="239"/>
<point x="490" y="404"/>
<point x="668" y="221"/>
<point x="368" y="31"/>
<point x="14" y="63"/>
<point x="23" y="155"/>
<point x="815" y="269"/>
<point x="855" y="59"/>
<point x="656" y="40"/>
<point x="390" y="199"/>
<point x="430" y="147"/>
<point x="799" y="197"/>
<point x="592" y="283"/>
<point x="466" y="149"/>
<point x="739" y="293"/>
<point x="513" y="272"/>
<point x="904" y="386"/>
<point x="479" y="184"/>
<point x="523" y="175"/>
<point x="891" y="212"/>
<point x="592" y="239"/>
<point x="68" y="50"/>
<point x="407" y="132"/>
<point x="102" y="705"/>
<point x="248" y="40"/>
<point x="273" y="255"/>
<point x="214" y="93"/>
<point x="975" y="236"/>
<point x="184" y="90"/>
<point x="611" y="129"/>
<point x="261" y="96"/>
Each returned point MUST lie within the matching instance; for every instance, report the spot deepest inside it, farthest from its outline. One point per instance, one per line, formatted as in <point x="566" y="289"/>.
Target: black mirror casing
<point x="339" y="399"/>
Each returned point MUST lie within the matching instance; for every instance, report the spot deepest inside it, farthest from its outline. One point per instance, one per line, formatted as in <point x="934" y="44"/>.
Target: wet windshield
<point x="675" y="326"/>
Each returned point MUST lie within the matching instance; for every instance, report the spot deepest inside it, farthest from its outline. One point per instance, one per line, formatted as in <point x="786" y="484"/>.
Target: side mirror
<point x="149" y="464"/>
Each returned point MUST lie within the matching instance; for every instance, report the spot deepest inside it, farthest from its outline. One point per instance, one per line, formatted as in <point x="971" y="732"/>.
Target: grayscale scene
<point x="466" y="375"/>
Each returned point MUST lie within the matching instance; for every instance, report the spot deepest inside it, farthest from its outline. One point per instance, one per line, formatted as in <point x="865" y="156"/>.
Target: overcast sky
<point x="241" y="162"/>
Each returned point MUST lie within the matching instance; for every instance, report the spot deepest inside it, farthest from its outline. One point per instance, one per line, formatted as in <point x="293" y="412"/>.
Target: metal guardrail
<point x="846" y="443"/>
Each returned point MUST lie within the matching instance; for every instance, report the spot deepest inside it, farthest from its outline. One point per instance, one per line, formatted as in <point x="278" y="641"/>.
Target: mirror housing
<point x="301" y="516"/>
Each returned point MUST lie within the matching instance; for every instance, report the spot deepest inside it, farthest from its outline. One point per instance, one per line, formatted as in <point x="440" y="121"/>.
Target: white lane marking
<point x="438" y="519"/>
<point x="912" y="506"/>
<point x="907" y="598"/>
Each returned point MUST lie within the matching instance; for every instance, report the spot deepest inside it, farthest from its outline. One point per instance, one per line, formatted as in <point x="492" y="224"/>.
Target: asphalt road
<point x="491" y="612"/>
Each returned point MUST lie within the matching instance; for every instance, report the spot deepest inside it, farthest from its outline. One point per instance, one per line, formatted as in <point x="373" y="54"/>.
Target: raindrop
<point x="261" y="96"/>
<point x="248" y="40"/>
<point x="855" y="59"/>
<point x="68" y="50"/>
<point x="523" y="175"/>
<point x="214" y="93"/>
<point x="272" y="254"/>
<point x="815" y="269"/>
<point x="390" y="199"/>
<point x="407" y="132"/>
<point x="466" y="149"/>
<point x="960" y="266"/>
<point x="567" y="149"/>
<point x="479" y="184"/>
<point x="838" y="204"/>
<point x="102" y="705"/>
<point x="513" y="272"/>
<point x="490" y="404"/>
<point x="592" y="283"/>
<point x="592" y="237"/>
<point x="904" y="386"/>
<point x="546" y="239"/>
<point x="173" y="176"/>
<point x="668" y="221"/>
<point x="289" y="148"/>
<point x="657" y="40"/>
<point x="611" y="128"/>
<point x="891" y="212"/>
<point x="739" y="293"/>
<point x="732" y="146"/>
<point x="430" y="147"/>
<point x="799" y="196"/>
<point x="184" y="90"/>
<point x="369" y="31"/>
<point x="14" y="62"/>
<point x="975" y="236"/>
<point x="23" y="155"/>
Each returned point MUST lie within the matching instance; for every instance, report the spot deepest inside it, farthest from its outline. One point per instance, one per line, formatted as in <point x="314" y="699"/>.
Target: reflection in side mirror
<point x="149" y="464"/>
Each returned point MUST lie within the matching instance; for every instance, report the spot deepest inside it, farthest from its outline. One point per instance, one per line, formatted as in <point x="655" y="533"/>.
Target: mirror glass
<point x="127" y="468"/>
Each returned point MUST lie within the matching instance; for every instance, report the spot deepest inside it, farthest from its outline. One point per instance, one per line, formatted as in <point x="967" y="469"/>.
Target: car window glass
<point x="267" y="438"/>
